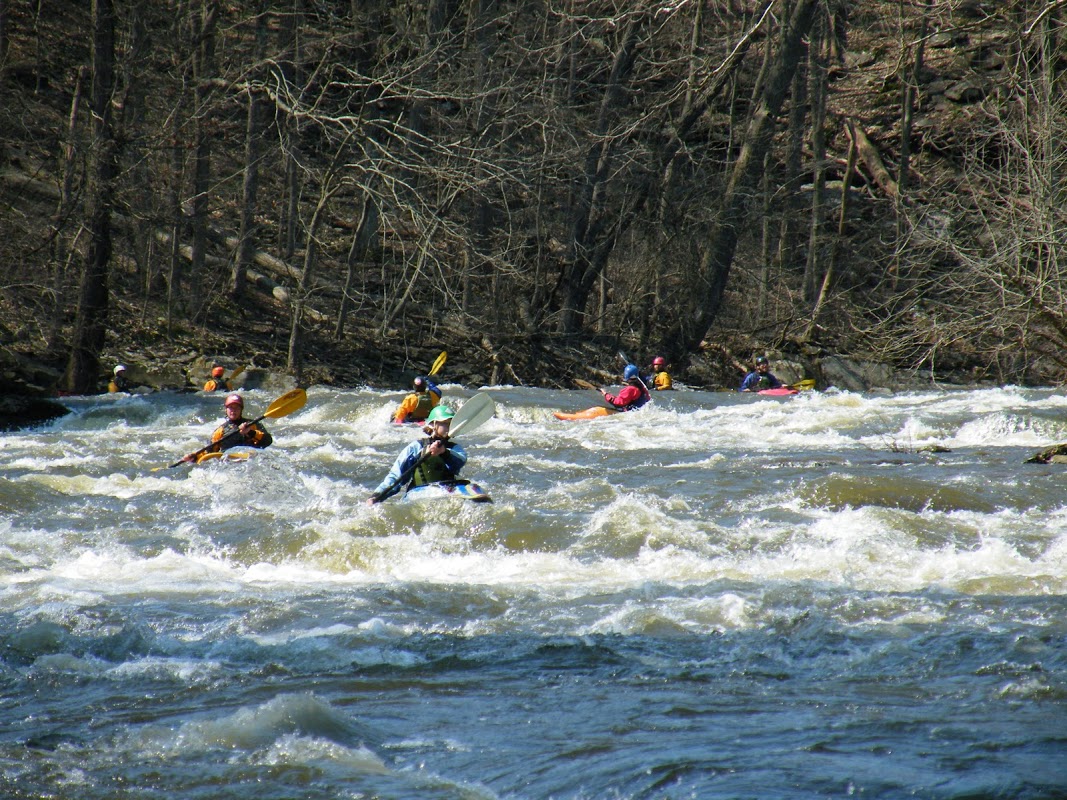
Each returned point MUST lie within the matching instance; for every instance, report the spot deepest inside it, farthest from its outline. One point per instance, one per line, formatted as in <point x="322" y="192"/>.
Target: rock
<point x="1057" y="454"/>
<point x="966" y="91"/>
<point x="21" y="411"/>
<point x="853" y="375"/>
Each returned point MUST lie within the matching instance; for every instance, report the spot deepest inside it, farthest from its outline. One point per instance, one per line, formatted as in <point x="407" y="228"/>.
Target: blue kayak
<point x="461" y="490"/>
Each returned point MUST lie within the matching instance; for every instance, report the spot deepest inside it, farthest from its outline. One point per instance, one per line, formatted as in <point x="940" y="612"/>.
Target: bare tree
<point x="91" y="320"/>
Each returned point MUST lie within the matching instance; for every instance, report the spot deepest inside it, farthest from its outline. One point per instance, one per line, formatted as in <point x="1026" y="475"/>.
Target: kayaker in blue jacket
<point x="761" y="378"/>
<point x="434" y="459"/>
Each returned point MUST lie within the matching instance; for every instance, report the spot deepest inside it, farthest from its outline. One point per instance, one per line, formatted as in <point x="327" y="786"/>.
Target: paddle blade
<point x="236" y="372"/>
<point x="472" y="414"/>
<point x="438" y="363"/>
<point x="286" y="404"/>
<point x="804" y="385"/>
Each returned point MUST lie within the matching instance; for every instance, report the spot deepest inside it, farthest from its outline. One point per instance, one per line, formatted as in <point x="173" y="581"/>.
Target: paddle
<point x="470" y="415"/>
<point x="282" y="407"/>
<point x="234" y="374"/>
<point x="584" y="384"/>
<point x="438" y="363"/>
<point x="804" y="385"/>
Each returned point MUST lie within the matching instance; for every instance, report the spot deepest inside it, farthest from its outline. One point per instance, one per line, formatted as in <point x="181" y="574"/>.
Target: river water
<point x="718" y="596"/>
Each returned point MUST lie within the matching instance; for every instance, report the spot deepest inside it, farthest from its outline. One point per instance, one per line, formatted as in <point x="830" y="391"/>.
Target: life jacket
<point x="432" y="470"/>
<point x="215" y="384"/>
<point x="119" y="385"/>
<point x="227" y="428"/>
<point x="643" y="398"/>
<point x="422" y="408"/>
<point x="662" y="380"/>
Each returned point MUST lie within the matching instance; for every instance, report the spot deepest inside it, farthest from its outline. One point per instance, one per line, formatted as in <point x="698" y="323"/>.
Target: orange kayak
<point x="589" y="413"/>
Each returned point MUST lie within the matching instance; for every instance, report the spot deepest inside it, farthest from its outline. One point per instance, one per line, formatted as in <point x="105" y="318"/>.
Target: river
<point x="718" y="596"/>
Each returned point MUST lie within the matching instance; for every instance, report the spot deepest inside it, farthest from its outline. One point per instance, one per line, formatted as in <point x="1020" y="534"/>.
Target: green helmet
<point x="438" y="413"/>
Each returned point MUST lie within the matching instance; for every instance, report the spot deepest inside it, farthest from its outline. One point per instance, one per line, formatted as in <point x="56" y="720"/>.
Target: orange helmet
<point x="217" y="372"/>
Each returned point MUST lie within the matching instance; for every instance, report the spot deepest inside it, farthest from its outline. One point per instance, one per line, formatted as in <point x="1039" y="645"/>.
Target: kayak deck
<point x="464" y="490"/>
<point x="233" y="455"/>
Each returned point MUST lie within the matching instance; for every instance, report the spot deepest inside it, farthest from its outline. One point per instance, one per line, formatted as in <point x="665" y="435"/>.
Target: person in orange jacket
<point x="217" y="383"/>
<point x="416" y="406"/>
<point x="253" y="434"/>
<point x="660" y="379"/>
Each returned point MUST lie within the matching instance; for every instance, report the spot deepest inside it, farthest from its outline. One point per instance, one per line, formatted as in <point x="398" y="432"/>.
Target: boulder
<point x="23" y="411"/>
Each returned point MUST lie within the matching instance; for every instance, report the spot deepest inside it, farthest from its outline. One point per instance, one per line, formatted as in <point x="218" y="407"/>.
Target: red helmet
<point x="658" y="361"/>
<point x="217" y="372"/>
<point x="234" y="400"/>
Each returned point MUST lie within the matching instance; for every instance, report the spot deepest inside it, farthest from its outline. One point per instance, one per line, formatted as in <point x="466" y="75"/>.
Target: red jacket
<point x="629" y="398"/>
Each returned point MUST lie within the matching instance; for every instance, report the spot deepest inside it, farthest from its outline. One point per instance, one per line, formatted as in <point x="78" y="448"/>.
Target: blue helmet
<point x="629" y="373"/>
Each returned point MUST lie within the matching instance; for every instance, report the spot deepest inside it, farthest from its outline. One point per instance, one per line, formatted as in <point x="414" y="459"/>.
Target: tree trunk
<point x="203" y="72"/>
<point x="250" y="185"/>
<point x="717" y="259"/>
<point x="835" y="252"/>
<point x="587" y="256"/>
<point x="289" y="67"/>
<point x="61" y="252"/>
<point x="90" y="325"/>
<point x="817" y="73"/>
<point x="361" y="239"/>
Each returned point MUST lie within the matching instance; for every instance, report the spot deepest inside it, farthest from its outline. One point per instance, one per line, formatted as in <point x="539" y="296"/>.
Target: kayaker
<point x="433" y="459"/>
<point x="660" y="379"/>
<point x="633" y="395"/>
<point x="253" y="434"/>
<point x="416" y="406"/>
<point x="217" y="381"/>
<point x="119" y="381"/>
<point x="760" y="378"/>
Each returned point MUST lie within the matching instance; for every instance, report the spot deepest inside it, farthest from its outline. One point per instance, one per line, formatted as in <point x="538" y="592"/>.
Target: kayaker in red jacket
<point x="633" y="395"/>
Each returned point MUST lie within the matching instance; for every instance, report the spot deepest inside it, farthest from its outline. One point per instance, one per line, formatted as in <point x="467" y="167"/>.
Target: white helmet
<point x="120" y="368"/>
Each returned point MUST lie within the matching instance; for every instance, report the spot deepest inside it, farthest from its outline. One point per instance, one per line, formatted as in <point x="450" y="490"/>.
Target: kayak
<point x="589" y="413"/>
<point x="233" y="455"/>
<point x="781" y="391"/>
<point x="462" y="490"/>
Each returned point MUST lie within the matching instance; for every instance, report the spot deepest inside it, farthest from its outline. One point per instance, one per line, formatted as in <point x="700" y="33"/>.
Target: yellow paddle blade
<point x="287" y="404"/>
<point x="236" y="372"/>
<point x="438" y="363"/>
<point x="804" y="385"/>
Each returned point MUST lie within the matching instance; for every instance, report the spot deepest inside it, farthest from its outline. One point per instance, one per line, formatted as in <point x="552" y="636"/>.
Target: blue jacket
<point x="454" y="460"/>
<point x="757" y="381"/>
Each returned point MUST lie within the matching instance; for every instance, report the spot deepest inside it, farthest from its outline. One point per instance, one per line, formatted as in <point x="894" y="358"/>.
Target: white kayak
<point x="462" y="490"/>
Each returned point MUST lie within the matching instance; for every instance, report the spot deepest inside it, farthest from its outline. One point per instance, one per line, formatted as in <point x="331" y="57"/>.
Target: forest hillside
<point x="340" y="190"/>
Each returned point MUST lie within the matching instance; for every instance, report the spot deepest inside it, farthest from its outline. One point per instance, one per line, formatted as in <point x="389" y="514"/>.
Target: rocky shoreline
<point x="30" y="398"/>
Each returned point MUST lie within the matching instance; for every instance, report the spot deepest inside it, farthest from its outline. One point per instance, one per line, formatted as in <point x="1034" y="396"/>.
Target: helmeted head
<point x="630" y="372"/>
<point x="217" y="372"/>
<point x="419" y="384"/>
<point x="120" y="369"/>
<point x="762" y="364"/>
<point x="440" y="413"/>
<point x="658" y="361"/>
<point x="234" y="400"/>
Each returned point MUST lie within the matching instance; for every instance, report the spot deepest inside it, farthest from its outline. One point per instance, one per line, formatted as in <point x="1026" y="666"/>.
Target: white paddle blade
<point x="472" y="414"/>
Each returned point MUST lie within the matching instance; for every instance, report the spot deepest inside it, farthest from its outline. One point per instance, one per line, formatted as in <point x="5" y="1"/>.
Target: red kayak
<point x="781" y="391"/>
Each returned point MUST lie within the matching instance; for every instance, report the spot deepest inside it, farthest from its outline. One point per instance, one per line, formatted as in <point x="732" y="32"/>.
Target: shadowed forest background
<point x="342" y="189"/>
